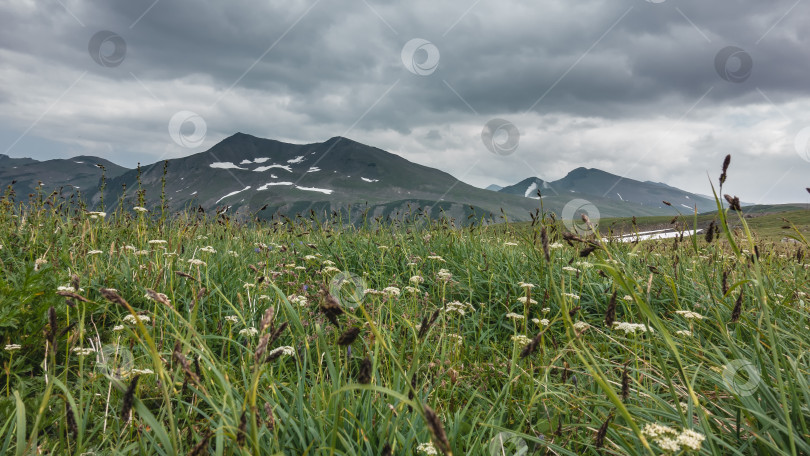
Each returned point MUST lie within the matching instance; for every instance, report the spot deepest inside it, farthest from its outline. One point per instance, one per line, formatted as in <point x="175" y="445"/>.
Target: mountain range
<point x="244" y="174"/>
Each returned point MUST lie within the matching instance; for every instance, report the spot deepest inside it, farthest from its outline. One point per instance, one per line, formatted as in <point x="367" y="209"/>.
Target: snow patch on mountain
<point x="532" y="189"/>
<point x="313" y="169"/>
<point x="265" y="168"/>
<point x="313" y="189"/>
<point x="269" y="184"/>
<point x="225" y="165"/>
<point x="296" y="160"/>
<point x="369" y="180"/>
<point x="233" y="193"/>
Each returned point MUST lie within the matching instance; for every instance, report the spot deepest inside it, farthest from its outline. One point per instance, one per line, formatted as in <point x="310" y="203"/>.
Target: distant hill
<point x="589" y="183"/>
<point x="246" y="175"/>
<point x="68" y="174"/>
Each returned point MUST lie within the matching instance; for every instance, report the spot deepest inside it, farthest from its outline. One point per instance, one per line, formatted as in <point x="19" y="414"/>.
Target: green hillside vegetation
<point x="127" y="332"/>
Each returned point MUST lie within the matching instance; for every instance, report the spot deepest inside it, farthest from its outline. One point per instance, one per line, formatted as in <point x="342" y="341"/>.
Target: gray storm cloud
<point x="631" y="87"/>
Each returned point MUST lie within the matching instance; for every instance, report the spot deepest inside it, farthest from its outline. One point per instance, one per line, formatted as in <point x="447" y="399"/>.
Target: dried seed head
<point x="531" y="346"/>
<point x="129" y="399"/>
<point x="113" y="296"/>
<point x="726" y="162"/>
<point x="610" y="312"/>
<point x="437" y="430"/>
<point x="737" y="311"/>
<point x="261" y="349"/>
<point x="185" y="276"/>
<point x="349" y="336"/>
<point x="386" y="451"/>
<point x="74" y="281"/>
<point x="271" y="420"/>
<point x="667" y="203"/>
<point x="159" y="297"/>
<point x="586" y="251"/>
<point x="710" y="233"/>
<point x="625" y="383"/>
<point x="544" y="240"/>
<point x="330" y="306"/>
<point x="600" y="435"/>
<point x="426" y="324"/>
<point x="202" y="447"/>
<point x="364" y="376"/>
<point x="733" y="203"/>
<point x="241" y="432"/>
<point x="70" y="419"/>
<point x="267" y="319"/>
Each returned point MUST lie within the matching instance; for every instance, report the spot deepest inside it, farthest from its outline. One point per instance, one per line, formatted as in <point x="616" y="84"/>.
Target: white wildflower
<point x="157" y="242"/>
<point x="232" y="319"/>
<point x="208" y="249"/>
<point x="511" y="244"/>
<point x="572" y="296"/>
<point x="83" y="351"/>
<point x="458" y="340"/>
<point x="555" y="245"/>
<point x="416" y="279"/>
<point x="391" y="291"/>
<point x="140" y="209"/>
<point x="523" y="300"/>
<point x="248" y="332"/>
<point x="196" y="262"/>
<point x="94" y="252"/>
<point x="142" y="371"/>
<point x="689" y="315"/>
<point x="427" y="448"/>
<point x="514" y="316"/>
<point x="521" y="340"/>
<point x="570" y="269"/>
<point x="435" y="257"/>
<point x="581" y="326"/>
<point x="132" y="319"/>
<point x="12" y="347"/>
<point x="526" y="285"/>
<point x="286" y="350"/>
<point x="631" y="327"/>
<point x="118" y="328"/>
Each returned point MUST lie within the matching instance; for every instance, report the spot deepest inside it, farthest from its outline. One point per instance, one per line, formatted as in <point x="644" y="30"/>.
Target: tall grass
<point x="169" y="347"/>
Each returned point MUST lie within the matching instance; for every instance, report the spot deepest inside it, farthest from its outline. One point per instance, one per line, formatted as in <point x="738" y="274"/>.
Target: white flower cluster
<point x="249" y="332"/>
<point x="208" y="249"/>
<point x="416" y="280"/>
<point x="391" y="291"/>
<point x="523" y="300"/>
<point x="689" y="315"/>
<point x="444" y="274"/>
<point x="232" y="319"/>
<point x="459" y="307"/>
<point x="131" y="319"/>
<point x="521" y="340"/>
<point x="286" y="350"/>
<point x="514" y="316"/>
<point x="427" y="448"/>
<point x="299" y="300"/>
<point x="581" y="326"/>
<point x="83" y="351"/>
<point x="671" y="440"/>
<point x="631" y="327"/>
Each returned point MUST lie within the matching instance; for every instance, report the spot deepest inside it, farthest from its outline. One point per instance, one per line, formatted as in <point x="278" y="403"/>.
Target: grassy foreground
<point x="125" y="333"/>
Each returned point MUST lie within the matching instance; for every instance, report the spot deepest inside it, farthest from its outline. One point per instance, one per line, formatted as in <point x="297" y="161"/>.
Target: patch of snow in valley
<point x="261" y="160"/>
<point x="687" y="196"/>
<point x="296" y="160"/>
<point x="245" y="162"/>
<point x="313" y="169"/>
<point x="532" y="188"/>
<point x="650" y="235"/>
<point x="267" y="185"/>
<point x="313" y="189"/>
<point x="369" y="180"/>
<point x="686" y="206"/>
<point x="78" y="162"/>
<point x="265" y="168"/>
<point x="195" y="192"/>
<point x="225" y="165"/>
<point x="274" y="176"/>
<point x="620" y="196"/>
<point x="233" y="193"/>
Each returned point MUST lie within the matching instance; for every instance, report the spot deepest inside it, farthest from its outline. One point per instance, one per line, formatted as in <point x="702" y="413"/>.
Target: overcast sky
<point x="653" y="90"/>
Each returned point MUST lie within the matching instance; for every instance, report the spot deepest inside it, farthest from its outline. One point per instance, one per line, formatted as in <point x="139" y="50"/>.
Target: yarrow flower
<point x="416" y="279"/>
<point x="570" y="269"/>
<point x="671" y="440"/>
<point x="411" y="289"/>
<point x="208" y="249"/>
<point x="458" y="307"/>
<point x="435" y="257"/>
<point x="684" y="332"/>
<point x="140" y="209"/>
<point x="157" y="242"/>
<point x="521" y="340"/>
<point x="631" y="327"/>
<point x="427" y="448"/>
<point x="97" y="214"/>
<point x="526" y="285"/>
<point x="444" y="274"/>
<point x="83" y="351"/>
<point x="523" y="300"/>
<point x="514" y="316"/>
<point x="299" y="300"/>
<point x="572" y="296"/>
<point x="196" y="262"/>
<point x="142" y="371"/>
<point x="555" y="245"/>
<point x="456" y="338"/>
<point x="329" y="269"/>
<point x="689" y="315"/>
<point x="511" y="244"/>
<point x="132" y="319"/>
<point x="286" y="350"/>
<point x="391" y="291"/>
<point x="581" y="326"/>
<point x="118" y="328"/>
<point x="12" y="347"/>
<point x="248" y="332"/>
<point x="232" y="319"/>
<point x="94" y="252"/>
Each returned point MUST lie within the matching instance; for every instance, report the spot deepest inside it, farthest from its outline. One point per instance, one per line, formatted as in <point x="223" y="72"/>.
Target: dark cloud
<point x="627" y="86"/>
